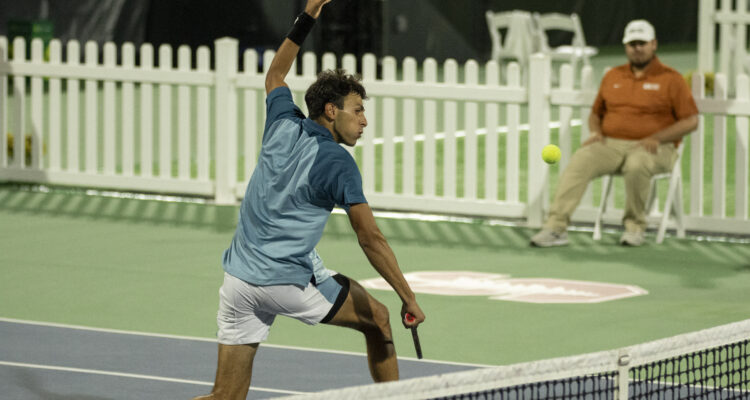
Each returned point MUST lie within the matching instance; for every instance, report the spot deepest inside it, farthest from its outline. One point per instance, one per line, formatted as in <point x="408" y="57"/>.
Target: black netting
<point x="716" y="373"/>
<point x="593" y="387"/>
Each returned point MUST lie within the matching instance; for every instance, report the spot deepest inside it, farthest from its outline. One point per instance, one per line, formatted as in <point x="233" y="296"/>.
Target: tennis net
<point x="709" y="364"/>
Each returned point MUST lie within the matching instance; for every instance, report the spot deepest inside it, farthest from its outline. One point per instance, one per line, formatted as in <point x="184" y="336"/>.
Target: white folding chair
<point x="576" y="50"/>
<point x="673" y="204"/>
<point x="518" y="43"/>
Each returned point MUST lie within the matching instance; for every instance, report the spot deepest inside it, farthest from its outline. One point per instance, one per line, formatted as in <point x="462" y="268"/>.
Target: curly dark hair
<point x="331" y="87"/>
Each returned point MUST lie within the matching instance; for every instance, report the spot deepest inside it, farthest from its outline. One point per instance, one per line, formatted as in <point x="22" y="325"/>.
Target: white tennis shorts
<point x="246" y="312"/>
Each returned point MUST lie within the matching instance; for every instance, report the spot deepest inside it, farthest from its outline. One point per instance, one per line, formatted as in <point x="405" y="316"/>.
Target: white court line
<point x="202" y="339"/>
<point x="135" y="376"/>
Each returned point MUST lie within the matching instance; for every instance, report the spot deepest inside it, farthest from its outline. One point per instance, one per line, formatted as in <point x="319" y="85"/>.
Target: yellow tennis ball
<point x="551" y="154"/>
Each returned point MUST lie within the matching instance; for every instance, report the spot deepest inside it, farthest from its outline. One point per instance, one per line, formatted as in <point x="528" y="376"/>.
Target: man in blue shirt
<point x="271" y="267"/>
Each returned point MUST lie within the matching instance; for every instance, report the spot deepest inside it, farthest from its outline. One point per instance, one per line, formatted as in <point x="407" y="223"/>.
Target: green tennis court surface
<point x="154" y="266"/>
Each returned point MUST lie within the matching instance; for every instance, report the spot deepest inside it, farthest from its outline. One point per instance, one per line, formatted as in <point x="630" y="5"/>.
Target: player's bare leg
<point x="233" y="373"/>
<point x="362" y="312"/>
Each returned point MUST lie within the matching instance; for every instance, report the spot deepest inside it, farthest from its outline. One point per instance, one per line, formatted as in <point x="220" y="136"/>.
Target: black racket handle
<point x="415" y="336"/>
<point x="417" y="346"/>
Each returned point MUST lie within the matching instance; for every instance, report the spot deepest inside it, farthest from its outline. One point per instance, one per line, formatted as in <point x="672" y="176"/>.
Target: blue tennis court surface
<point x="50" y="361"/>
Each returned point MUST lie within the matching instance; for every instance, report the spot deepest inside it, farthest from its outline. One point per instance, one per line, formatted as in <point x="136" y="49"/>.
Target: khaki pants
<point x="602" y="158"/>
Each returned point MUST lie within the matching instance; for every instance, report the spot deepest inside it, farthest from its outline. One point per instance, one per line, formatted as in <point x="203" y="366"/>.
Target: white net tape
<point x="545" y="370"/>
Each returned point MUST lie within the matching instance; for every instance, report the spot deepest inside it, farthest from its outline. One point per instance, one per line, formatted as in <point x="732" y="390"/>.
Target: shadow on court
<point x="76" y="203"/>
<point x="698" y="265"/>
<point x="31" y="383"/>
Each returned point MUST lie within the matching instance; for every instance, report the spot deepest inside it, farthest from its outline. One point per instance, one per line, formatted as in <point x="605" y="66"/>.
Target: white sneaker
<point x="549" y="238"/>
<point x="632" y="238"/>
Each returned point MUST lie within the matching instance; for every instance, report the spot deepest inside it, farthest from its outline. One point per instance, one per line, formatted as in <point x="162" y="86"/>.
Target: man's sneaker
<point x="632" y="238"/>
<point x="549" y="238"/>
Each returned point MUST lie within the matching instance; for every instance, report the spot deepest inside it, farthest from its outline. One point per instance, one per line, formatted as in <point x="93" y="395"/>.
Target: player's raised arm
<point x="289" y="48"/>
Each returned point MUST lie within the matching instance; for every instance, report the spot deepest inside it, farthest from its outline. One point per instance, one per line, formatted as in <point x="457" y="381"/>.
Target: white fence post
<point x="539" y="116"/>
<point x="18" y="111"/>
<point x="3" y="102"/>
<point x="513" y="139"/>
<point x="37" y="123"/>
<point x="429" y="121"/>
<point x="471" y="111"/>
<point x="128" y="115"/>
<point x="55" y="109"/>
<point x="91" y="111"/>
<point x="165" y="115"/>
<point x="450" y="121"/>
<point x="184" y="100"/>
<point x="73" y="105"/>
<point x="110" y="101"/>
<point x="742" y="166"/>
<point x="203" y="119"/>
<point x="492" y="112"/>
<point x="369" y="74"/>
<point x="226" y="117"/>
<point x="409" y="129"/>
<point x="706" y="11"/>
<point x="697" y="148"/>
<point x="564" y="138"/>
<point x="726" y="37"/>
<point x="147" y="113"/>
<point x="587" y="85"/>
<point x="740" y="52"/>
<point x="719" y="168"/>
<point x="388" y="132"/>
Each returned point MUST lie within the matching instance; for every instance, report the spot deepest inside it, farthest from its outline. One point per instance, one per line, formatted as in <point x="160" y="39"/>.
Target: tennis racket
<point x="414" y="335"/>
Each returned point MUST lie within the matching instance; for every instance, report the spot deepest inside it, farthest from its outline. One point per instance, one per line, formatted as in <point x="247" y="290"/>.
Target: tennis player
<point x="271" y="267"/>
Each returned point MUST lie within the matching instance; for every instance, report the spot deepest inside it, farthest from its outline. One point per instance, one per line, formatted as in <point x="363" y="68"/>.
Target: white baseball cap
<point x="638" y="29"/>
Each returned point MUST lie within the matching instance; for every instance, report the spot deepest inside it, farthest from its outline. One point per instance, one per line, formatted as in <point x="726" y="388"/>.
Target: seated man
<point x="642" y="111"/>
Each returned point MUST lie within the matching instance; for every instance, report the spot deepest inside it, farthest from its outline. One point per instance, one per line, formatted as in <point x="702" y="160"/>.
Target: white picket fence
<point x="125" y="133"/>
<point x="41" y="115"/>
<point x="732" y="18"/>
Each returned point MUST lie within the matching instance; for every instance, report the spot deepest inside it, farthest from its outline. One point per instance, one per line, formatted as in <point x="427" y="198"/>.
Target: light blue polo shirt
<point x="302" y="173"/>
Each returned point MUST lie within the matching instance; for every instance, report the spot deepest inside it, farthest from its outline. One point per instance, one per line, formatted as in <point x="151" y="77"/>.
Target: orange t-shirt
<point x="633" y="108"/>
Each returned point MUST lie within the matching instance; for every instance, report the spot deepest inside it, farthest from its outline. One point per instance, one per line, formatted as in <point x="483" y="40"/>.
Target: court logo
<point x="502" y="287"/>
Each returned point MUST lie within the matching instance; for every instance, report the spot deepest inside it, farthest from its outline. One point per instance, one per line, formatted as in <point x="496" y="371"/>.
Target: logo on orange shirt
<point x="650" y="86"/>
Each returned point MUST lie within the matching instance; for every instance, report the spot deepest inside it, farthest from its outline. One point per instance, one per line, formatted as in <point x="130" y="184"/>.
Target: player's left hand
<point x="416" y="315"/>
<point x="313" y="7"/>
<point x="650" y="144"/>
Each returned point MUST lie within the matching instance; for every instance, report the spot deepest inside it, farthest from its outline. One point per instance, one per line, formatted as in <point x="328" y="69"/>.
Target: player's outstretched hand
<point x="416" y="316"/>
<point x="313" y="7"/>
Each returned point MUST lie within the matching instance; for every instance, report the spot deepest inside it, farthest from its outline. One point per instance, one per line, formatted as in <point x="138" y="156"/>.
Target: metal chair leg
<point x="606" y="188"/>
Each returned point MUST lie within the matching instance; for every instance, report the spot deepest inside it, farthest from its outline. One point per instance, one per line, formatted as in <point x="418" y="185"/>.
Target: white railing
<point x="732" y="17"/>
<point x="149" y="128"/>
<point x="95" y="145"/>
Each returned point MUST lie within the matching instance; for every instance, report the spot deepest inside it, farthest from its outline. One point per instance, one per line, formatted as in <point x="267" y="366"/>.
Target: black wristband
<point x="302" y="26"/>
